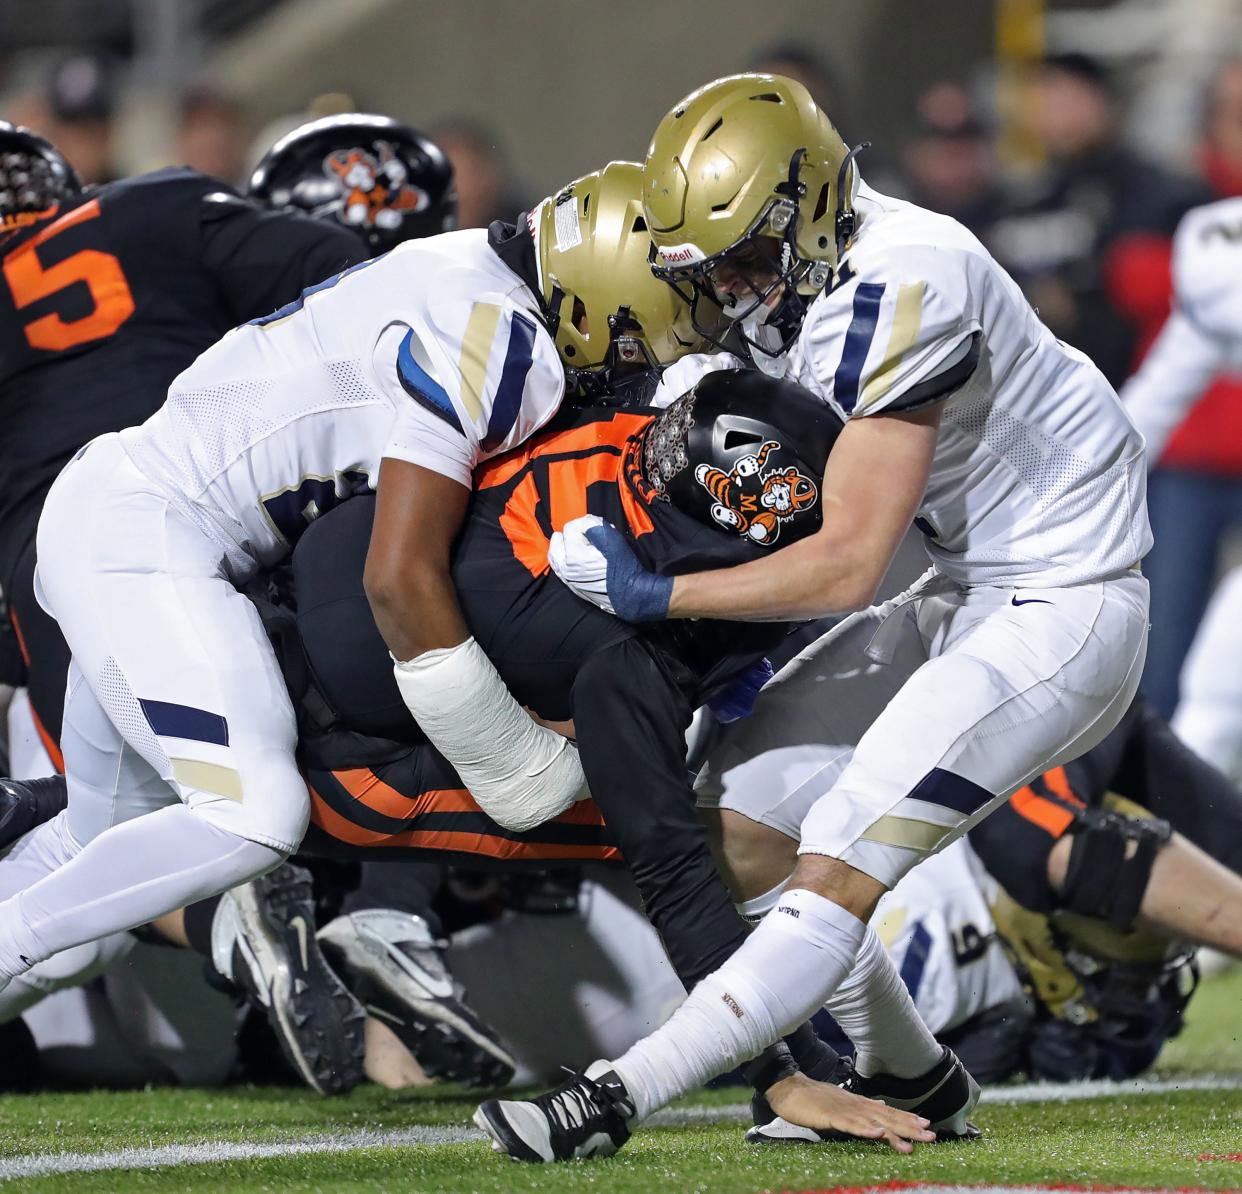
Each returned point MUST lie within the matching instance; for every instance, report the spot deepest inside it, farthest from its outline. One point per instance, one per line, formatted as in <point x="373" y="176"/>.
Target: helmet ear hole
<point x="821" y="206"/>
<point x="579" y="317"/>
<point x="735" y="438"/>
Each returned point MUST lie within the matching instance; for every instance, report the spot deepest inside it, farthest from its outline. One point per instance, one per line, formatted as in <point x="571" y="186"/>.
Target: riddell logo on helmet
<point x="680" y="254"/>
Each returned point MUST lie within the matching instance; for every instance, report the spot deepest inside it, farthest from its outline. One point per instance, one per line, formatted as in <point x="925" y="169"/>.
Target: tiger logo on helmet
<point x="755" y="503"/>
<point x="377" y="189"/>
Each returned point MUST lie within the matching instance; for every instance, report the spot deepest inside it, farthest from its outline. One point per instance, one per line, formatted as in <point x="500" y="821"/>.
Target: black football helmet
<point x="34" y="174"/>
<point x="371" y="173"/>
<point x="744" y="452"/>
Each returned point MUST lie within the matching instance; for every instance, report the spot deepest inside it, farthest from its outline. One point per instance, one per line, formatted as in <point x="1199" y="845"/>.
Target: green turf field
<point x="421" y="1141"/>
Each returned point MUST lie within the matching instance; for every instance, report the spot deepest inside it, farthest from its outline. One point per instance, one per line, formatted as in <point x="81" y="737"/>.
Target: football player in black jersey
<point x="107" y="294"/>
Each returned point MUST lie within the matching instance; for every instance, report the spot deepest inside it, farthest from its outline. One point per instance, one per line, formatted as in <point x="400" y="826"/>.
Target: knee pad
<point x="273" y="813"/>
<point x="1112" y="852"/>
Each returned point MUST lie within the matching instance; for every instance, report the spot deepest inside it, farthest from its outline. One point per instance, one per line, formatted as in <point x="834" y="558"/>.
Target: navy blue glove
<point x="597" y="562"/>
<point x="737" y="699"/>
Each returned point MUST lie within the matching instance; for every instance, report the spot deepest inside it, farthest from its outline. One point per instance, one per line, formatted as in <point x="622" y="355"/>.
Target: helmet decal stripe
<point x="857" y="343"/>
<point x="508" y="401"/>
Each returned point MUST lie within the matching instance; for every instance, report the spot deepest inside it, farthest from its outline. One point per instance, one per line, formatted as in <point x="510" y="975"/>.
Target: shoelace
<point x="572" y="1107"/>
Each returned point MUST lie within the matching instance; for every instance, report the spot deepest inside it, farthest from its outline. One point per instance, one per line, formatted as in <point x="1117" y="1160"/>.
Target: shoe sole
<point x="329" y="1059"/>
<point x="445" y="1044"/>
<point x="490" y="1119"/>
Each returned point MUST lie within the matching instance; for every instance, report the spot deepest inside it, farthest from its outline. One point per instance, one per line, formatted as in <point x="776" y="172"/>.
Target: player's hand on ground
<point x="800" y="1100"/>
<point x="596" y="561"/>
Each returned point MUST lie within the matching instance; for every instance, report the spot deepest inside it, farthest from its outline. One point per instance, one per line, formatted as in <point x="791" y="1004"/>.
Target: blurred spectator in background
<point x="1194" y="497"/>
<point x="948" y="163"/>
<point x="486" y="188"/>
<point x="74" y="109"/>
<point x="1089" y="239"/>
<point x="1222" y="143"/>
<point x="213" y="134"/>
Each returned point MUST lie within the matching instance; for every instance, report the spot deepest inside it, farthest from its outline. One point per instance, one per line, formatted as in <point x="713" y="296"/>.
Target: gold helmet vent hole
<point x="821" y="204"/>
<point x="579" y="317"/>
<point x="710" y="131"/>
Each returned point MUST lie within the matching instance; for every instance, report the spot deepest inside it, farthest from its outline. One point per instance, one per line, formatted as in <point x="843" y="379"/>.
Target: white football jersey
<point x="1038" y="477"/>
<point x="433" y="353"/>
<point x="936" y="926"/>
<point x="1203" y="336"/>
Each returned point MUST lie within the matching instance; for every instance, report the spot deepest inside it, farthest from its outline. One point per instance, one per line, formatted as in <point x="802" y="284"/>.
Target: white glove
<point x="579" y="563"/>
<point x="685" y="373"/>
<point x="519" y="772"/>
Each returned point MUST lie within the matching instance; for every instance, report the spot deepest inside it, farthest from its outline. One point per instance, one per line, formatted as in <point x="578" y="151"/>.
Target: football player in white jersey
<point x="1201" y="339"/>
<point x="1021" y="648"/>
<point x="178" y="734"/>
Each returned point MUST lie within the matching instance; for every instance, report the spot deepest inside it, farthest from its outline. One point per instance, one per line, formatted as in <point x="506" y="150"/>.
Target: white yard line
<point x="169" y="1155"/>
<point x="164" y="1155"/>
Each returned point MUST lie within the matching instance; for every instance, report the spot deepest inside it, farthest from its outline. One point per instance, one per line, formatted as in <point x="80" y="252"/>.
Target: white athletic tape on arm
<point x="520" y="773"/>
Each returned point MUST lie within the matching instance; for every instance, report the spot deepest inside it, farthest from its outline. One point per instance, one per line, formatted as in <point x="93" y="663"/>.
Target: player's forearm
<point x="810" y="579"/>
<point x="416" y="609"/>
<point x="1178" y="368"/>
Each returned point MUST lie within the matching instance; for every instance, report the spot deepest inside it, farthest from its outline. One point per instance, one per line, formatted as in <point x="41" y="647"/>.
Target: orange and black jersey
<point x="588" y="462"/>
<point x="105" y="298"/>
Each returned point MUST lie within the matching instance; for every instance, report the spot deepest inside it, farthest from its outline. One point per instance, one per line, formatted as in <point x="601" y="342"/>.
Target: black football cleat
<point x="945" y="1095"/>
<point x="588" y="1115"/>
<point x="263" y="940"/>
<point x="396" y="969"/>
<point x="26" y="803"/>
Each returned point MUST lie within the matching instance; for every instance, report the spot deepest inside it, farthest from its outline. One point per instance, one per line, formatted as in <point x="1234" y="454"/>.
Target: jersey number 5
<point x="101" y="272"/>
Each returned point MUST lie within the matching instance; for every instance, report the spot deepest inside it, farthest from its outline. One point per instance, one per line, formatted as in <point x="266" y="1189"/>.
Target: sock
<point x="815" y="1058"/>
<point x="408" y="885"/>
<point x="874" y="1009"/>
<point x="128" y="875"/>
<point x="754" y="910"/>
<point x="199" y="918"/>
<point x="783" y="972"/>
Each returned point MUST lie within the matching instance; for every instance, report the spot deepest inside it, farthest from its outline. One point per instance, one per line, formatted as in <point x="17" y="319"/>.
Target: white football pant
<point x="909" y="722"/>
<point x="174" y="695"/>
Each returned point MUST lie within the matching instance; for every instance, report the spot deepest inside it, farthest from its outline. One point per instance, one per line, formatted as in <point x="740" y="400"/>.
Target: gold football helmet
<point x="614" y="324"/>
<point x="748" y="192"/>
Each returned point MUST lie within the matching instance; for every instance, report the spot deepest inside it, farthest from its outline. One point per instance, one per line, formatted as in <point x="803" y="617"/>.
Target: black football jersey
<point x="588" y="462"/>
<point x="106" y="298"/>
